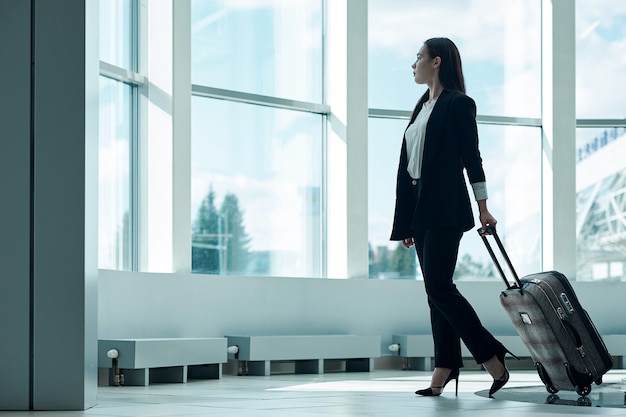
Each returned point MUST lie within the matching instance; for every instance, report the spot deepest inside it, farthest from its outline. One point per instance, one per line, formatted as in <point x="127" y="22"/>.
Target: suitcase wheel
<point x="552" y="399"/>
<point x="581" y="381"/>
<point x="543" y="375"/>
<point x="583" y="390"/>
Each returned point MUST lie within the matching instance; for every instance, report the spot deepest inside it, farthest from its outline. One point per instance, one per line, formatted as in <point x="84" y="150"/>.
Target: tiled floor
<point x="380" y="393"/>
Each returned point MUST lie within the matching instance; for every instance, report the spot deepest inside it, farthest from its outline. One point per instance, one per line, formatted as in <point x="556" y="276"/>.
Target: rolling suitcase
<point x="564" y="344"/>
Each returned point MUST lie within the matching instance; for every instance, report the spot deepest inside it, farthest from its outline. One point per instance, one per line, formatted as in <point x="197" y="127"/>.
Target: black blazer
<point x="450" y="146"/>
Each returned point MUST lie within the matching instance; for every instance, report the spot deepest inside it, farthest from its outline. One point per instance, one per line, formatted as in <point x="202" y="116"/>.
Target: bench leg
<point x="169" y="374"/>
<point x="360" y="365"/>
<point x="134" y="377"/>
<point x="314" y="366"/>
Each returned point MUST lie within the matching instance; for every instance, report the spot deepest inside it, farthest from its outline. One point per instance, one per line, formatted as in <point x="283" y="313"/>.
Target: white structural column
<point x="346" y="60"/>
<point x="357" y="128"/>
<point x="335" y="184"/>
<point x="559" y="144"/>
<point x="156" y="148"/>
<point x="65" y="205"/>
<point x="165" y="136"/>
<point x="49" y="159"/>
<point x="15" y="169"/>
<point x="181" y="135"/>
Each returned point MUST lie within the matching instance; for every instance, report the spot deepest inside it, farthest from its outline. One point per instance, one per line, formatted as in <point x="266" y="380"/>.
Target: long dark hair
<point x="450" y="70"/>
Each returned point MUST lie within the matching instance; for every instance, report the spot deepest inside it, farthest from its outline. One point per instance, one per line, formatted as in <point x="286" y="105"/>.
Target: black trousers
<point x="452" y="317"/>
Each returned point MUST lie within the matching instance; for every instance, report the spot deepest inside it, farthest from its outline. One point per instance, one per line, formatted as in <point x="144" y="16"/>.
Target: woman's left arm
<point x="464" y="110"/>
<point x="470" y="154"/>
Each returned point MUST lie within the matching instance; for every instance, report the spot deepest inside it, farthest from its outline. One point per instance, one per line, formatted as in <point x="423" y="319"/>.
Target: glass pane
<point x="114" y="236"/>
<point x="499" y="42"/>
<point x="387" y="260"/>
<point x="511" y="158"/>
<point x="271" y="47"/>
<point x="256" y="190"/>
<point x="116" y="33"/>
<point x="600" y="63"/>
<point x="601" y="204"/>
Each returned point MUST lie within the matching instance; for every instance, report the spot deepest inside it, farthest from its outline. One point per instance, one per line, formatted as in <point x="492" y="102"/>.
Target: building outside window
<point x="600" y="140"/>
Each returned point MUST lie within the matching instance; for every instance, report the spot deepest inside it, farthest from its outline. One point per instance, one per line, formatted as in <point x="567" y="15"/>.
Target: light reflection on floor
<point x="524" y="389"/>
<point x="605" y="395"/>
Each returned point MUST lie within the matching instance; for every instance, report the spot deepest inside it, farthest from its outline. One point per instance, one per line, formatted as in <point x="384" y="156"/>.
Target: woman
<point x="433" y="210"/>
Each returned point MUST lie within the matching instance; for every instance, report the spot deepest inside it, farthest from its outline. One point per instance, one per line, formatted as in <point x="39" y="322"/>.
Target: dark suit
<point x="435" y="211"/>
<point x="451" y="144"/>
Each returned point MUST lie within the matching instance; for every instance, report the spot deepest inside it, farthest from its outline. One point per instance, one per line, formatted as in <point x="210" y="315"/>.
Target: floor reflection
<point x="605" y="395"/>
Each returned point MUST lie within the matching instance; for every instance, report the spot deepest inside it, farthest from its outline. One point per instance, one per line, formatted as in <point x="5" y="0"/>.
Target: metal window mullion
<point x="134" y="136"/>
<point x="134" y="36"/>
<point x="482" y="119"/>
<point x="590" y="123"/>
<point x="325" y="126"/>
<point x="508" y="121"/>
<point x="135" y="131"/>
<point x="324" y="199"/>
<point x="258" y="99"/>
<point x="134" y="180"/>
<point x="389" y="114"/>
<point x="121" y="74"/>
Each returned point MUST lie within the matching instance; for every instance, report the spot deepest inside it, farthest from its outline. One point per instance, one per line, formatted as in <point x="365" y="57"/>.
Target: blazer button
<point x="414" y="182"/>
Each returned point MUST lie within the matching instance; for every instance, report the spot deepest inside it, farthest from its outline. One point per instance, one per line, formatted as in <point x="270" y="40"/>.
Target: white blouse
<point x="415" y="136"/>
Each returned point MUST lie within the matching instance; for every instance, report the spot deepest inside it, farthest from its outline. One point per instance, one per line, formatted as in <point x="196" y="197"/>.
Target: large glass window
<point x="512" y="162"/>
<point x="600" y="144"/>
<point x="601" y="203"/>
<point x="511" y="158"/>
<point x="114" y="249"/>
<point x="117" y="136"/>
<point x="499" y="41"/>
<point x="500" y="46"/>
<point x="256" y="189"/>
<point x="273" y="47"/>
<point x="116" y="32"/>
<point x="600" y="63"/>
<point x="388" y="260"/>
<point x="257" y="169"/>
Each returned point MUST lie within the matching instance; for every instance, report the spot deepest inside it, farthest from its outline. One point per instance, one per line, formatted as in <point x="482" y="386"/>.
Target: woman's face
<point x="423" y="67"/>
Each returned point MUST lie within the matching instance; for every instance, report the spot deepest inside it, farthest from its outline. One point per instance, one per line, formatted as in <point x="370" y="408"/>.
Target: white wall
<point x="135" y="305"/>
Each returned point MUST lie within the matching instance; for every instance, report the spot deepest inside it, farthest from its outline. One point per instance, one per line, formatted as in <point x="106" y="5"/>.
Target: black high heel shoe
<point x="500" y="382"/>
<point x="428" y="392"/>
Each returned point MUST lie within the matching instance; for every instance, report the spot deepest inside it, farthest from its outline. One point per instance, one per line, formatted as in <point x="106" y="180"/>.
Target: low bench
<point x="143" y="361"/>
<point x="418" y="349"/>
<point x="307" y="351"/>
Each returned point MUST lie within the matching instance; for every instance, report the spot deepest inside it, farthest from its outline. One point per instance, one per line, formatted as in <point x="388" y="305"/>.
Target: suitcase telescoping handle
<point x="491" y="230"/>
